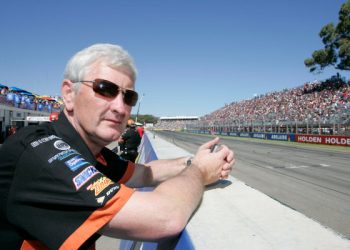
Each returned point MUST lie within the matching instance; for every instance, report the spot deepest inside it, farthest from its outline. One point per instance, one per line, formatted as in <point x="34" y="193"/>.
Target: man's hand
<point x="214" y="165"/>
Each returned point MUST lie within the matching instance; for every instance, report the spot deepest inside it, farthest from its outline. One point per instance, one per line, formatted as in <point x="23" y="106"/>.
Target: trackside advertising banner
<point x="324" y="139"/>
<point x="316" y="139"/>
<point x="281" y="137"/>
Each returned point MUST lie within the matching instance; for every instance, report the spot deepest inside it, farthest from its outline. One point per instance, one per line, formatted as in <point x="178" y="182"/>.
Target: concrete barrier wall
<point x="183" y="241"/>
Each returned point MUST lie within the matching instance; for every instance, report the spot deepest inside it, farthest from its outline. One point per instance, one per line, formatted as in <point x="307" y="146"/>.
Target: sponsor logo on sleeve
<point x="100" y="200"/>
<point x="36" y="143"/>
<point x="61" y="145"/>
<point x="112" y="190"/>
<point x="76" y="162"/>
<point x="84" y="176"/>
<point x="99" y="185"/>
<point x="62" y="155"/>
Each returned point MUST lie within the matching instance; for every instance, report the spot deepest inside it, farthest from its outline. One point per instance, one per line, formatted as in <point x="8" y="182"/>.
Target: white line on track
<point x="296" y="167"/>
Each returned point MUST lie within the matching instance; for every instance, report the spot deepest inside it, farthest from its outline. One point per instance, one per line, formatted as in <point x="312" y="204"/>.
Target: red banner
<point x="324" y="139"/>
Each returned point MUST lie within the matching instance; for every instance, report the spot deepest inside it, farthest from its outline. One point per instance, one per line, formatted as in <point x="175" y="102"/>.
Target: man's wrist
<point x="188" y="161"/>
<point x="191" y="166"/>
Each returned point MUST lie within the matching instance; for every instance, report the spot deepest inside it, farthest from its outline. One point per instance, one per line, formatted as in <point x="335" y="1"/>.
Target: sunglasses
<point x="109" y="89"/>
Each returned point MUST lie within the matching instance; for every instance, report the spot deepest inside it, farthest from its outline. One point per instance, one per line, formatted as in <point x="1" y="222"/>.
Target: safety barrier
<point x="183" y="241"/>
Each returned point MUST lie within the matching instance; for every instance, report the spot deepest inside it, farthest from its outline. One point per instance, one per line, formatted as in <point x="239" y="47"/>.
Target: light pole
<point x="138" y="108"/>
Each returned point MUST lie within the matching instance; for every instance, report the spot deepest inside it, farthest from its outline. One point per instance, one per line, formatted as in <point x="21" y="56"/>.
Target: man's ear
<point x="68" y="94"/>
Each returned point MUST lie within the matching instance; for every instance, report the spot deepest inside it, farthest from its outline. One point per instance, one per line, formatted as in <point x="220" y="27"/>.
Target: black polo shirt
<point x="53" y="191"/>
<point x="131" y="139"/>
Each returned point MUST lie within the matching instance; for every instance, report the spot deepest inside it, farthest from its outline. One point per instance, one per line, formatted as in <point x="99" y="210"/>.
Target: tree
<point x="145" y="118"/>
<point x="336" y="40"/>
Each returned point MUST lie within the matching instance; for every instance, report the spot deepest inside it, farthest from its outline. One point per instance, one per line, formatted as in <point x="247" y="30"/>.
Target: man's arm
<point x="155" y="172"/>
<point x="166" y="210"/>
<point x="160" y="213"/>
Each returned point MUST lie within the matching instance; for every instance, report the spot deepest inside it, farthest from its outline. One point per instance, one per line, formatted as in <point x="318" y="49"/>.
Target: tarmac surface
<point x="233" y="215"/>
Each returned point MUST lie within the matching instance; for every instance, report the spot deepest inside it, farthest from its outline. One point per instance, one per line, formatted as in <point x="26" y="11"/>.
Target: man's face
<point x="101" y="120"/>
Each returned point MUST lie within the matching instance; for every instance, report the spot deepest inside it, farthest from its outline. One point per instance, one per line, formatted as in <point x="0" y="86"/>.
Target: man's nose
<point x="118" y="105"/>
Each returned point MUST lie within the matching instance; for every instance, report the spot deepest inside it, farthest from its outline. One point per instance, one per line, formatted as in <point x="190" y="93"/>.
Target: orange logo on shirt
<point x="99" y="185"/>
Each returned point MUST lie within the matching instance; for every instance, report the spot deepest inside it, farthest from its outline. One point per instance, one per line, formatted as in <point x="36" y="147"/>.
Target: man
<point x="61" y="188"/>
<point x="140" y="129"/>
<point x="129" y="142"/>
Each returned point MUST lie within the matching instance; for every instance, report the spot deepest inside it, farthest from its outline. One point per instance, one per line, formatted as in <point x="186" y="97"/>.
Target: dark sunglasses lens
<point x="130" y="97"/>
<point x="105" y="88"/>
<point x="109" y="89"/>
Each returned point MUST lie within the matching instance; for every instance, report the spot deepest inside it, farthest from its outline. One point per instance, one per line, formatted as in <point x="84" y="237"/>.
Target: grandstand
<point x="319" y="107"/>
<point x="176" y="123"/>
<point x="19" y="108"/>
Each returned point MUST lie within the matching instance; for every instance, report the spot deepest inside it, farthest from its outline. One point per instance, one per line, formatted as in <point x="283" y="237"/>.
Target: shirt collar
<point x="67" y="132"/>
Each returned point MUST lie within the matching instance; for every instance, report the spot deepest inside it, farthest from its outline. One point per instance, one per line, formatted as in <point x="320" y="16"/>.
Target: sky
<point x="192" y="56"/>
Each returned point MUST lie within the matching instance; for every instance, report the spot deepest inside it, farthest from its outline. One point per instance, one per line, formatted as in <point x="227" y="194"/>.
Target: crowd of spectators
<point x="314" y="102"/>
<point x="318" y="102"/>
<point x="26" y="100"/>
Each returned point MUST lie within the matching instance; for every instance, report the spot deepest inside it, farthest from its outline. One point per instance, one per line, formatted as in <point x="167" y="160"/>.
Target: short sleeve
<point x="59" y="197"/>
<point x="116" y="168"/>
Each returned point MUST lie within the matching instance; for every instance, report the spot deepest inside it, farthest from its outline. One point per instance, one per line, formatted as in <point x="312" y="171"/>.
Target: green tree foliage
<point x="336" y="40"/>
<point x="145" y="118"/>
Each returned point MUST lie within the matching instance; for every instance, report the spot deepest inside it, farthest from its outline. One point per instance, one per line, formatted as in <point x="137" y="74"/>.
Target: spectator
<point x="129" y="142"/>
<point x="140" y="129"/>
